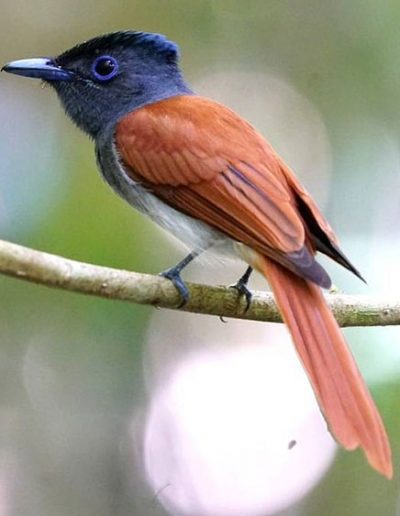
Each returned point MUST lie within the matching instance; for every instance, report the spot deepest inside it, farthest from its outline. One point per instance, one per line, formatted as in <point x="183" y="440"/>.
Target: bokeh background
<point x="108" y="408"/>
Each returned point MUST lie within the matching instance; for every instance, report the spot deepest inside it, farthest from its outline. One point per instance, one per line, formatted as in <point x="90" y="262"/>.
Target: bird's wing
<point x="204" y="160"/>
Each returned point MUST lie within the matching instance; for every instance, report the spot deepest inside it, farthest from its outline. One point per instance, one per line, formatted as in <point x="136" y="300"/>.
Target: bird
<point x="206" y="175"/>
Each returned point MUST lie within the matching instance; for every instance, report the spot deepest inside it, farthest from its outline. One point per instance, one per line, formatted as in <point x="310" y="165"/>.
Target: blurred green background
<point x="320" y="79"/>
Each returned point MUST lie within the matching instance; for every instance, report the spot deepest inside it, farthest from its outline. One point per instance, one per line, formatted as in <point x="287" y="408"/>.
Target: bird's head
<point x="102" y="79"/>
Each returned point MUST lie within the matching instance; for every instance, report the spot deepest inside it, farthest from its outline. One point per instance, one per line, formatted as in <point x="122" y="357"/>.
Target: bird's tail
<point x="342" y="394"/>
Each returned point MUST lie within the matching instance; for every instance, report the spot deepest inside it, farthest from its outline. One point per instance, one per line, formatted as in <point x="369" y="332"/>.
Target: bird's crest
<point x="154" y="43"/>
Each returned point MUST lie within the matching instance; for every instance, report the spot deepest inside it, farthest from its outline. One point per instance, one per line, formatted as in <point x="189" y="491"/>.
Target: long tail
<point x="342" y="394"/>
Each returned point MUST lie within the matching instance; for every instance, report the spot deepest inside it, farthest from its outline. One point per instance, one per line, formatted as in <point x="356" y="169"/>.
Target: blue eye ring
<point x="105" y="68"/>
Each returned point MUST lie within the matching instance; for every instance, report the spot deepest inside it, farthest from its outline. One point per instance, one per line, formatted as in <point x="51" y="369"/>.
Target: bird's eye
<point x="105" y="68"/>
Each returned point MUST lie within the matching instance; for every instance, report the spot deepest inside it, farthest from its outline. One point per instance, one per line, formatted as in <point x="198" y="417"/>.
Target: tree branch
<point x="55" y="271"/>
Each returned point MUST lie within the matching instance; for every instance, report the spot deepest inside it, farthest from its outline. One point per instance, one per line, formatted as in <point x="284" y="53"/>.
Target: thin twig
<point x="55" y="271"/>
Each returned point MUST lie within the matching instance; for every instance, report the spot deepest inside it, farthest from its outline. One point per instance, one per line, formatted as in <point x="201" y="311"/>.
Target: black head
<point x="102" y="79"/>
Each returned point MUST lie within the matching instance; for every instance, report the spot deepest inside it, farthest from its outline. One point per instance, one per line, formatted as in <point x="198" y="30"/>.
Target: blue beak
<point x="38" y="68"/>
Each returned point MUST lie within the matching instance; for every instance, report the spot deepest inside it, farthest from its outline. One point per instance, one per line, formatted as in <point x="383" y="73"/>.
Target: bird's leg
<point x="174" y="274"/>
<point x="241" y="287"/>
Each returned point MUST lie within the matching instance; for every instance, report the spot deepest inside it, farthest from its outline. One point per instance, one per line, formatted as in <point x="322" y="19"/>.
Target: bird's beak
<point x="39" y="68"/>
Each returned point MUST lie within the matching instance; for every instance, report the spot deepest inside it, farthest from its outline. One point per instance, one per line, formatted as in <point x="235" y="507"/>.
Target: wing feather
<point x="201" y="158"/>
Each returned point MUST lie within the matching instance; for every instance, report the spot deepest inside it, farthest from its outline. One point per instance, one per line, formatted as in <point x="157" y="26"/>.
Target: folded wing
<point x="204" y="160"/>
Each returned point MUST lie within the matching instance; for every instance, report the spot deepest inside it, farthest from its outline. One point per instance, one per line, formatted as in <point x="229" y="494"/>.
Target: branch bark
<point x="55" y="271"/>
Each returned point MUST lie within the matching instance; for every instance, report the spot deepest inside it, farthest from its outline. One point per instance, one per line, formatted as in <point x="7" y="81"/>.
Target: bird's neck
<point x="151" y="89"/>
<point x="147" y="90"/>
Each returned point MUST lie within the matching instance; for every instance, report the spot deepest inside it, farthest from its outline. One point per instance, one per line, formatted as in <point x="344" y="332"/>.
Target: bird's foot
<point x="173" y="274"/>
<point x="243" y="291"/>
<point x="241" y="287"/>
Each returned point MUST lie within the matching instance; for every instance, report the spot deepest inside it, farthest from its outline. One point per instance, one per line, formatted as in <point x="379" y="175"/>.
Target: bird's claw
<point x="242" y="290"/>
<point x="174" y="276"/>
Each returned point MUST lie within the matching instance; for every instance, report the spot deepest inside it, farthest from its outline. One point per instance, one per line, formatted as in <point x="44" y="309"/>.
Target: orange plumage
<point x="202" y="159"/>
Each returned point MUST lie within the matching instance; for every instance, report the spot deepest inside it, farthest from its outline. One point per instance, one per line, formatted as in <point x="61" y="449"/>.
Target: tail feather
<point x="342" y="394"/>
